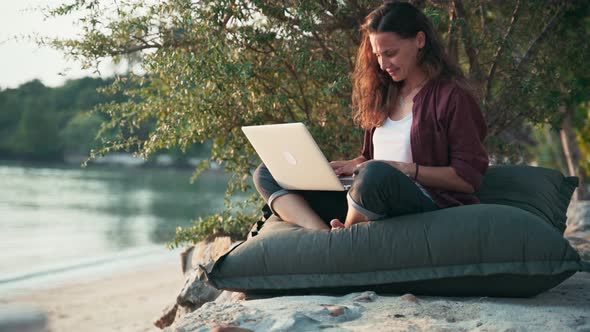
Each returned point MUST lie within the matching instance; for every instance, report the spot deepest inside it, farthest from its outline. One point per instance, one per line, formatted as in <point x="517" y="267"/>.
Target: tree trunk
<point x="572" y="154"/>
<point x="453" y="43"/>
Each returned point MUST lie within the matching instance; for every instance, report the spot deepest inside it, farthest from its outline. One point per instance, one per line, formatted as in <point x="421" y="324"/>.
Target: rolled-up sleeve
<point x="466" y="133"/>
<point x="367" y="150"/>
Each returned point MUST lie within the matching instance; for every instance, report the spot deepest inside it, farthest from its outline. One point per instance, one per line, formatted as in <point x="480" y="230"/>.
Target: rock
<point x="205" y="253"/>
<point x="181" y="312"/>
<point x="296" y="322"/>
<point x="167" y="317"/>
<point x="230" y="297"/>
<point x="578" y="217"/>
<point x="410" y="298"/>
<point x="229" y="329"/>
<point x="184" y="259"/>
<point x="215" y="315"/>
<point x="563" y="308"/>
<point x="368" y="296"/>
<point x="581" y="243"/>
<point x="196" y="291"/>
<point x="335" y="310"/>
<point x="578" y="227"/>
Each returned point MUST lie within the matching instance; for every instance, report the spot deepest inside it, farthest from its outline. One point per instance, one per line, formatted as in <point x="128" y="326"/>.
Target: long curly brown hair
<point x="373" y="89"/>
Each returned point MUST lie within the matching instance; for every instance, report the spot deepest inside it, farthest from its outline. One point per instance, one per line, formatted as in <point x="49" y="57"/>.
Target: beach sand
<point x="127" y="301"/>
<point x="563" y="308"/>
<point x="566" y="307"/>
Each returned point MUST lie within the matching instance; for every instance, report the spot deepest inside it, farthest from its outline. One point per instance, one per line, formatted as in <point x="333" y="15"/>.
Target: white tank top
<point x="391" y="141"/>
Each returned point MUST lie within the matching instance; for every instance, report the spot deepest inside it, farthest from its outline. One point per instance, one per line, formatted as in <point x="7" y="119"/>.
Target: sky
<point x="21" y="60"/>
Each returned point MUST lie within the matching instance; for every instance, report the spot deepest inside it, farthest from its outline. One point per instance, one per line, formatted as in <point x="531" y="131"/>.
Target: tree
<point x="214" y="66"/>
<point x="79" y="134"/>
<point x="574" y="106"/>
<point x="37" y="132"/>
<point x="33" y="118"/>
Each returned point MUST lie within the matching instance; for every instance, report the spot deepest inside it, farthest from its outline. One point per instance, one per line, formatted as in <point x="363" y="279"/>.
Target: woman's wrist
<point x="359" y="160"/>
<point x="410" y="170"/>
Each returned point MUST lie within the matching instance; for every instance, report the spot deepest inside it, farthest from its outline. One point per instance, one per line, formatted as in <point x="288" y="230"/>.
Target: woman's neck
<point x="414" y="80"/>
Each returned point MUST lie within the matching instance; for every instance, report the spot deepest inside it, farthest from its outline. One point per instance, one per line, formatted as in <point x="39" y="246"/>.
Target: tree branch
<point x="306" y="108"/>
<point x="327" y="52"/>
<point x="503" y="120"/>
<point x="474" y="67"/>
<point x="436" y="4"/>
<point x="452" y="49"/>
<point x="499" y="51"/>
<point x="133" y="49"/>
<point x="271" y="91"/>
<point x="354" y="4"/>
<point x="279" y="14"/>
<point x="482" y="19"/>
<point x="534" y="47"/>
<point x="291" y="70"/>
<point x="145" y="42"/>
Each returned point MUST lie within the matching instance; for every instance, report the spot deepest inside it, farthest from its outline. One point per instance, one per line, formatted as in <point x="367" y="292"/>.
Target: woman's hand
<point x="346" y="167"/>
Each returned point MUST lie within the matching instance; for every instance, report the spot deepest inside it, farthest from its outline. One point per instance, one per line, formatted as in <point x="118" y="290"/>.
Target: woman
<point x="424" y="130"/>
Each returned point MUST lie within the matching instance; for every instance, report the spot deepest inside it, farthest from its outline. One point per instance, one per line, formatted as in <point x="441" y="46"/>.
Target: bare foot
<point x="336" y="224"/>
<point x="354" y="217"/>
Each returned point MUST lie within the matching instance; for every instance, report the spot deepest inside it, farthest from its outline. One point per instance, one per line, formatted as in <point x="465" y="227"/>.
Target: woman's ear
<point x="420" y="39"/>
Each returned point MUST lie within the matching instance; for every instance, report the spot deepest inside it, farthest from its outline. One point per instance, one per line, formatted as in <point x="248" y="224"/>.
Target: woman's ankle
<point x="354" y="217"/>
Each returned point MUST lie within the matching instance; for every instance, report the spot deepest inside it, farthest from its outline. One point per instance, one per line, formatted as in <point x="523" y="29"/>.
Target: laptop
<point x="293" y="157"/>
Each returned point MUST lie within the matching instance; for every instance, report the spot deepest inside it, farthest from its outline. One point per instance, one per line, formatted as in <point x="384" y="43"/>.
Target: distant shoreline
<point x="53" y="276"/>
<point x="121" y="159"/>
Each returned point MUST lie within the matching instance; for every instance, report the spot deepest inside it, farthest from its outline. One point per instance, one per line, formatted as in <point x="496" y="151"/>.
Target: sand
<point x="563" y="308"/>
<point x="130" y="301"/>
<point x="127" y="301"/>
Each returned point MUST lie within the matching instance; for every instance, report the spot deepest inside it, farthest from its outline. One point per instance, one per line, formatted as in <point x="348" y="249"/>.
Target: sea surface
<point x="59" y="222"/>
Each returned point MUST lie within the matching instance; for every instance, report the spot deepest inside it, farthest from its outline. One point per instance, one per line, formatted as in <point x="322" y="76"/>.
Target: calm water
<point x="58" y="218"/>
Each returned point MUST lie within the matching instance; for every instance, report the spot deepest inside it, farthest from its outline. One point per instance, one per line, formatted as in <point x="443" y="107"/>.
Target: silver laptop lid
<point x="292" y="156"/>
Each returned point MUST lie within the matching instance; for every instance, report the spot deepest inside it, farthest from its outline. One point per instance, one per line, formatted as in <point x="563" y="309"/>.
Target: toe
<point x="335" y="223"/>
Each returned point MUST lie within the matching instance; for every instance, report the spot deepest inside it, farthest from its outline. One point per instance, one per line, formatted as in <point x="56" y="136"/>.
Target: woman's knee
<point x="374" y="175"/>
<point x="265" y="184"/>
<point x="260" y="173"/>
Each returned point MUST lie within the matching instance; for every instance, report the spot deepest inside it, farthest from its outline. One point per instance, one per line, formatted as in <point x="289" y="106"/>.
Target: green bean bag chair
<point x="541" y="191"/>
<point x="510" y="245"/>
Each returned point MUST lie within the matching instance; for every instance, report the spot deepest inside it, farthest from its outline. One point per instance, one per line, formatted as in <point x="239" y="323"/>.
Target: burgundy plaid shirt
<point x="448" y="129"/>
